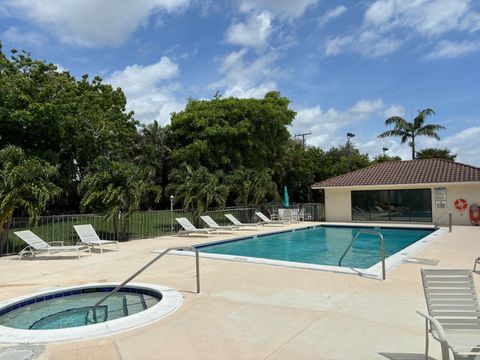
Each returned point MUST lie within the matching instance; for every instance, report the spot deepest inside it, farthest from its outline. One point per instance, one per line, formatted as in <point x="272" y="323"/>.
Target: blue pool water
<point x="321" y="245"/>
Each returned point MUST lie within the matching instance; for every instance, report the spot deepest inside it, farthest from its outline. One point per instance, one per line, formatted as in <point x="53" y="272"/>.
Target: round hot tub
<point x="67" y="314"/>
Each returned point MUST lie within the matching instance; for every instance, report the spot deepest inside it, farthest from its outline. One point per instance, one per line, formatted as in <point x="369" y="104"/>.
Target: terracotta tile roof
<point x="405" y="172"/>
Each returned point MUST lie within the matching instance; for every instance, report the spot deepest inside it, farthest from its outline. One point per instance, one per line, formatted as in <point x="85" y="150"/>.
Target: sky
<point x="345" y="65"/>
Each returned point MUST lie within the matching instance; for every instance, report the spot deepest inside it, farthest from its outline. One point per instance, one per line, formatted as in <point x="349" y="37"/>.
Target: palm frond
<point x="390" y="133"/>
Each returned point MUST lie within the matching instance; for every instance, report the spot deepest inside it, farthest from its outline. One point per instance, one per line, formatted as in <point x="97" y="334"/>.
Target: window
<point x="392" y="205"/>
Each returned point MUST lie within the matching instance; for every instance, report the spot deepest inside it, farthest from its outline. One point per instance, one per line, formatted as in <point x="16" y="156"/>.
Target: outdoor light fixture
<point x="385" y="149"/>
<point x="349" y="136"/>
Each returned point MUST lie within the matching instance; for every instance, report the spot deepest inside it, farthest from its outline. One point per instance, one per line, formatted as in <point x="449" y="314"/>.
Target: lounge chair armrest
<point x="442" y="337"/>
<point x="61" y="243"/>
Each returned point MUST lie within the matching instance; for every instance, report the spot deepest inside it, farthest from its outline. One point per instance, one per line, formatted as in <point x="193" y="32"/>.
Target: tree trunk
<point x="4" y="236"/>
<point x="413" y="147"/>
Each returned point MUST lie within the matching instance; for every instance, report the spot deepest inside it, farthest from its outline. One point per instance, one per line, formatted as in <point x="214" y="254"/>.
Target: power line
<point x="302" y="135"/>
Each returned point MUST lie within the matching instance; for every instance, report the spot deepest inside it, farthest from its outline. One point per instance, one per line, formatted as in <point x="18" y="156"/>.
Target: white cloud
<point x="394" y="110"/>
<point x="331" y="15"/>
<point x="326" y="125"/>
<point x="282" y="8"/>
<point x="91" y="22"/>
<point x="427" y="17"/>
<point x="253" y="33"/>
<point x="367" y="106"/>
<point x="20" y="40"/>
<point x="388" y="24"/>
<point x="368" y="43"/>
<point x="462" y="144"/>
<point x="338" y="44"/>
<point x="149" y="90"/>
<point x="449" y="49"/>
<point x="247" y="78"/>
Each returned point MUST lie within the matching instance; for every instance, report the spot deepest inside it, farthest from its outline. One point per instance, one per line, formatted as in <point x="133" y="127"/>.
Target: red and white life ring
<point x="461" y="204"/>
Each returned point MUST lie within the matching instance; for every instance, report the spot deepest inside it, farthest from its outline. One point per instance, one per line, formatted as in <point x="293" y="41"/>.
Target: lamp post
<point x="172" y="199"/>
<point x="349" y="136"/>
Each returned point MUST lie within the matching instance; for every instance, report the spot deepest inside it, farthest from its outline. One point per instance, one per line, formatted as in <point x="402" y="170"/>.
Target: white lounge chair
<point x="212" y="224"/>
<point x="454" y="312"/>
<point x="268" y="221"/>
<point x="189" y="228"/>
<point x="237" y="222"/>
<point x="37" y="245"/>
<point x="88" y="235"/>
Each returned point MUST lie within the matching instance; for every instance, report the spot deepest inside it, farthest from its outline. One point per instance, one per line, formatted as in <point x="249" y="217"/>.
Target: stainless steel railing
<point x="143" y="268"/>
<point x="371" y="232"/>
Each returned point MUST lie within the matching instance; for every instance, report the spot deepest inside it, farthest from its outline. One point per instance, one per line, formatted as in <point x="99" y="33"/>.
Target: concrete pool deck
<point x="245" y="310"/>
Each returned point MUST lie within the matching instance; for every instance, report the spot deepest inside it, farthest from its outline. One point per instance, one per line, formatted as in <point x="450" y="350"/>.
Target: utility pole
<point x="303" y="137"/>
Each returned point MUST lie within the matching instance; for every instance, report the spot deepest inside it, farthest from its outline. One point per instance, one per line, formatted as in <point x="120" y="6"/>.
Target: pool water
<point x="76" y="310"/>
<point x="321" y="245"/>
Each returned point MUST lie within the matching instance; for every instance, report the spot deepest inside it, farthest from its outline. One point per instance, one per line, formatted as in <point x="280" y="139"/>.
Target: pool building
<point x="418" y="191"/>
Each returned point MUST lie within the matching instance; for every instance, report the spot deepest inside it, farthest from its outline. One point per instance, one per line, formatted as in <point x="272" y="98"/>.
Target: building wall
<point x="338" y="202"/>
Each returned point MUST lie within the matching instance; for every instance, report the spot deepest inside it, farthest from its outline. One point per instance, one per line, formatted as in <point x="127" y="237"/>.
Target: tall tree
<point x="249" y="186"/>
<point x="384" y="158"/>
<point x="153" y="151"/>
<point x="65" y="121"/>
<point x="298" y="168"/>
<point x="226" y="133"/>
<point x="433" y="153"/>
<point x="117" y="188"/>
<point x="25" y="186"/>
<point x="197" y="188"/>
<point x="409" y="131"/>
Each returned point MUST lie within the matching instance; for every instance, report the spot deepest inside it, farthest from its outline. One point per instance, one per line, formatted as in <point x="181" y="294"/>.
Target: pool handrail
<point x="371" y="232"/>
<point x="144" y="267"/>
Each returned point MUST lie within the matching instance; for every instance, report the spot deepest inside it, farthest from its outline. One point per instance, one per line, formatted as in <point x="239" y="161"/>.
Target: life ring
<point x="460" y="204"/>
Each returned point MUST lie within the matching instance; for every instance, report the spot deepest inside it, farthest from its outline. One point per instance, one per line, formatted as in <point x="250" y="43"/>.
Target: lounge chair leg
<point x="426" y="339"/>
<point x="101" y="249"/>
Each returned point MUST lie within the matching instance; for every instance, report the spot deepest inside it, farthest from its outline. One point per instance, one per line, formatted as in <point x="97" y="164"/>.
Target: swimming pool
<point x="320" y="245"/>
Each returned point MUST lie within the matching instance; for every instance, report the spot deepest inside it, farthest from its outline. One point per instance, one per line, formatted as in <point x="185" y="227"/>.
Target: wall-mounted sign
<point x="440" y="197"/>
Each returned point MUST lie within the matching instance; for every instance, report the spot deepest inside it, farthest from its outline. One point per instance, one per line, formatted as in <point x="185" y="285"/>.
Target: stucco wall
<point x="338" y="203"/>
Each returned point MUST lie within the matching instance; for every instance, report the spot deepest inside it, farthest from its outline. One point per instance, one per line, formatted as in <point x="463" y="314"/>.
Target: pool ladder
<point x="143" y="268"/>
<point x="371" y="232"/>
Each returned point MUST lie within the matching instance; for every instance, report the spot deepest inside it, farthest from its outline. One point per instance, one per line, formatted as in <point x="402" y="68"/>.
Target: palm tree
<point x="410" y="130"/>
<point x="252" y="186"/>
<point x="117" y="188"/>
<point x="25" y="184"/>
<point x="197" y="188"/>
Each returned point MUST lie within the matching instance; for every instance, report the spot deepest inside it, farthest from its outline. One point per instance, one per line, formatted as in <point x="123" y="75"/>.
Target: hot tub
<point x="67" y="313"/>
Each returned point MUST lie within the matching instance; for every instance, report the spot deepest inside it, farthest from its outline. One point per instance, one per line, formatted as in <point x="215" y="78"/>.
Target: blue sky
<point x="346" y="65"/>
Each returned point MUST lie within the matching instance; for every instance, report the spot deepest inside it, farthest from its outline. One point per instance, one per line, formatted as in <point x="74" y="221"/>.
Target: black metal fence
<point x="141" y="225"/>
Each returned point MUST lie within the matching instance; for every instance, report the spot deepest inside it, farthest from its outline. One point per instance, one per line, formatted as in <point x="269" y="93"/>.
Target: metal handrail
<point x="371" y="232"/>
<point x="435" y="223"/>
<point x="138" y="272"/>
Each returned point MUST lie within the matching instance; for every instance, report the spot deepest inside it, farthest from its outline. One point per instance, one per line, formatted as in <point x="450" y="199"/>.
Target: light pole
<point x="349" y="136"/>
<point x="385" y="149"/>
<point x="172" y="199"/>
